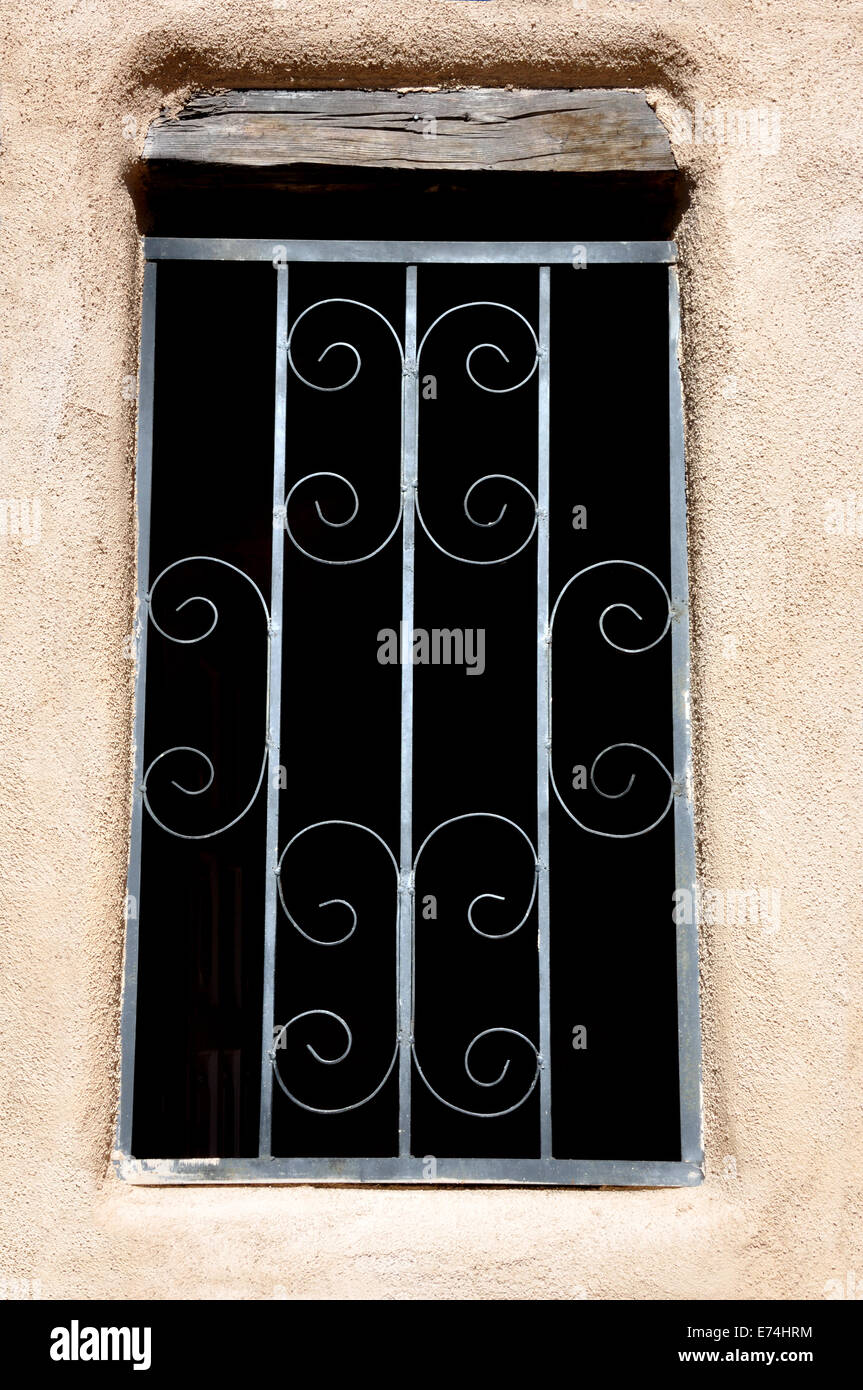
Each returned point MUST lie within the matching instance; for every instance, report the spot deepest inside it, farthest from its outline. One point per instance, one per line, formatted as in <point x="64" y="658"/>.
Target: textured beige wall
<point x="773" y="337"/>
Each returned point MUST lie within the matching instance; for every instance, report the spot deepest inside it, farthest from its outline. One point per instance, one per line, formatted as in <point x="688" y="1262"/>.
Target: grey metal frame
<point x="405" y="1168"/>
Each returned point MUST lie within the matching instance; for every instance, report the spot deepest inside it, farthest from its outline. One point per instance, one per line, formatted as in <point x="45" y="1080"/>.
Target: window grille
<point x="401" y="900"/>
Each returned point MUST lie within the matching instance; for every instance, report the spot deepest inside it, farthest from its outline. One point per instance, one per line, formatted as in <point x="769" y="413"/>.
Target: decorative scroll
<point x="608" y="795"/>
<point x="488" y="936"/>
<point x="185" y="748"/>
<point x="487" y="815"/>
<point x="486" y="1114"/>
<point x="280" y="1037"/>
<point x="278" y="1042"/>
<point x="488" y="477"/>
<point x="316" y="476"/>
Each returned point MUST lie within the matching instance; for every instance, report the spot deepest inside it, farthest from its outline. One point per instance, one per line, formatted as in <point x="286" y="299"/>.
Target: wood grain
<point x="589" y="131"/>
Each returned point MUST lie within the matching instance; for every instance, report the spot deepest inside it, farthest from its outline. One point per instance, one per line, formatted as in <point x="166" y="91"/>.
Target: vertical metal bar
<point x="543" y="660"/>
<point x="688" y="1010"/>
<point x="143" y="492"/>
<point x="410" y="448"/>
<point x="274" y="711"/>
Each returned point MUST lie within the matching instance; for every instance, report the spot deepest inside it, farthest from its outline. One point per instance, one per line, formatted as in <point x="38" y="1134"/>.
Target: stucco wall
<point x="771" y="251"/>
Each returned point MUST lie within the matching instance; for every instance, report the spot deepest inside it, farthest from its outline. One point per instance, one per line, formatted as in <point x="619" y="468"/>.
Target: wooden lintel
<point x="593" y="131"/>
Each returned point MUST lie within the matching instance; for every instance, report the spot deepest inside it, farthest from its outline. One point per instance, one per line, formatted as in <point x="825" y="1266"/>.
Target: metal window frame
<point x="406" y="1168"/>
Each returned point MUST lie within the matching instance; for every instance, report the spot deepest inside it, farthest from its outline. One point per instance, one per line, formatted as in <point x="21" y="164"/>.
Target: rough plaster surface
<point x="771" y="250"/>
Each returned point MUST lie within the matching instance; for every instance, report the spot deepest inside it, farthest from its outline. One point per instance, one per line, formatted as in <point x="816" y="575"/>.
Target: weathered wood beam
<point x="591" y="131"/>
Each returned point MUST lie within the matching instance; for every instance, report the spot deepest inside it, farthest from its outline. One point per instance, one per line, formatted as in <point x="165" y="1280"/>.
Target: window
<point x="412" y="865"/>
<point x="412" y="766"/>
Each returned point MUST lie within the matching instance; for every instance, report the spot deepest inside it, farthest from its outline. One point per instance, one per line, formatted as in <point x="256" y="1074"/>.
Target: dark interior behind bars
<point x="198" y="1054"/>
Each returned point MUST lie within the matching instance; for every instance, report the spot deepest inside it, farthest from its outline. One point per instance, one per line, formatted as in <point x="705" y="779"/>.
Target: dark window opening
<point x="482" y="1058"/>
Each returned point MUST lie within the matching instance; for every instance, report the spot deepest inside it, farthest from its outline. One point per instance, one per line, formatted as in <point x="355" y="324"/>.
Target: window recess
<point x="412" y="789"/>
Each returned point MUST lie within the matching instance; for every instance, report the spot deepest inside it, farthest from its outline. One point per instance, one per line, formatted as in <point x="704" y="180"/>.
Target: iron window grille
<point x="409" y="1076"/>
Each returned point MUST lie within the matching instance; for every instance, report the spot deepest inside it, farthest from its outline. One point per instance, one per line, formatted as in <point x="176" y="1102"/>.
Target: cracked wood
<point x="588" y="131"/>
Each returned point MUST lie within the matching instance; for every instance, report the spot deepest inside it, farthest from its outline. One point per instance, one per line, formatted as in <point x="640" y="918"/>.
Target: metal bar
<point x="688" y="1010"/>
<point x="274" y="712"/>
<point x="543" y="640"/>
<point x="143" y="494"/>
<point x="476" y="1172"/>
<point x="410" y="452"/>
<point x="417" y="252"/>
